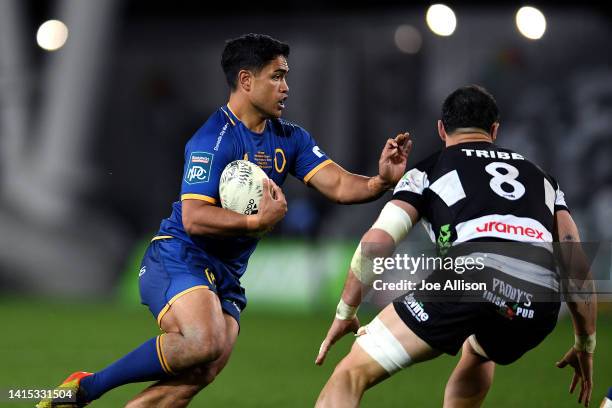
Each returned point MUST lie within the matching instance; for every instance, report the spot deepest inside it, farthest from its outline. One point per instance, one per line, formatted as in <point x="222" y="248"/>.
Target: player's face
<point x="269" y="88"/>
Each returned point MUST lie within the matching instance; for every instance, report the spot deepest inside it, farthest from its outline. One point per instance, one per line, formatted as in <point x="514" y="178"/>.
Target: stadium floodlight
<point x="52" y="35"/>
<point x="408" y="39"/>
<point x="531" y="22"/>
<point x="441" y="19"/>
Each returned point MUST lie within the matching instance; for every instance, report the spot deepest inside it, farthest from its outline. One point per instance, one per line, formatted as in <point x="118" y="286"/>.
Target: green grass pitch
<point x="273" y="362"/>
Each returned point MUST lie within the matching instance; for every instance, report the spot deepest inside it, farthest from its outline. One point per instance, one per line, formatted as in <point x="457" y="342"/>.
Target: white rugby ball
<point x="241" y="187"/>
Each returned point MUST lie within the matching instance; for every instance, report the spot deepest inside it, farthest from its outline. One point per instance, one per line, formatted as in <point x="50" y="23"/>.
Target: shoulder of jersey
<point x="217" y="125"/>
<point x="429" y="162"/>
<point x="285" y="128"/>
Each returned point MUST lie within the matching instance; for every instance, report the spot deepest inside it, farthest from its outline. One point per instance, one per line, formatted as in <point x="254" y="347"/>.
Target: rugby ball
<point x="241" y="187"/>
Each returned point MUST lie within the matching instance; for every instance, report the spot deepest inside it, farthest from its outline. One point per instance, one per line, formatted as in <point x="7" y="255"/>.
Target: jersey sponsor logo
<point x="414" y="181"/>
<point x="317" y="151"/>
<point x="511" y="229"/>
<point x="142" y="271"/>
<point x="511" y="292"/>
<point x="415" y="308"/>
<point x="520" y="229"/>
<point x="492" y="154"/>
<point x="508" y="309"/>
<point x="199" y="167"/>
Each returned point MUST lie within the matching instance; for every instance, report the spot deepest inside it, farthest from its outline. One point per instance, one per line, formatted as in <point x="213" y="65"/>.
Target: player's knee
<point x="204" y="375"/>
<point x="355" y="377"/>
<point x="208" y="377"/>
<point x="207" y="346"/>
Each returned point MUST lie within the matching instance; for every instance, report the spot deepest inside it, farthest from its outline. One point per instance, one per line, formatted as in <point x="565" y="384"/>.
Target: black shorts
<point x="504" y="328"/>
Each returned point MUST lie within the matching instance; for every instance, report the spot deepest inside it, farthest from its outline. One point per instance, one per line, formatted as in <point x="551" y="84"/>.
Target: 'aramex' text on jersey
<point x="511" y="229"/>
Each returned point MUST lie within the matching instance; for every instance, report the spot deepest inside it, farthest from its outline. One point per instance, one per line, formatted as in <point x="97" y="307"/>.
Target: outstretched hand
<point x="393" y="159"/>
<point x="582" y="363"/>
<point x="337" y="330"/>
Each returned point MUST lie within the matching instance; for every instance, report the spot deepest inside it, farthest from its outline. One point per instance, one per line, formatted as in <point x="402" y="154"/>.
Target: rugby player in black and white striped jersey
<point x="476" y="199"/>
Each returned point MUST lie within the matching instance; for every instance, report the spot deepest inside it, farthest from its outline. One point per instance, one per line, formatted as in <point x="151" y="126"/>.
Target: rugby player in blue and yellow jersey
<point x="190" y="275"/>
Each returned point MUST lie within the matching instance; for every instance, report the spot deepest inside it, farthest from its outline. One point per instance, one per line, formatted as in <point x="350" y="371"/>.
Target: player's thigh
<point x="194" y="313"/>
<point x="417" y="348"/>
<point x="177" y="283"/>
<point x="383" y="347"/>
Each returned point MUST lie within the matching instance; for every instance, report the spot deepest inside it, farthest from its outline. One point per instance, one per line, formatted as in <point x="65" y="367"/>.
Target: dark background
<point x="93" y="134"/>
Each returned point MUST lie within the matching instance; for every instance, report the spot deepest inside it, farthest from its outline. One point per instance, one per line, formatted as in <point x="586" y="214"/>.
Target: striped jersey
<point x="479" y="192"/>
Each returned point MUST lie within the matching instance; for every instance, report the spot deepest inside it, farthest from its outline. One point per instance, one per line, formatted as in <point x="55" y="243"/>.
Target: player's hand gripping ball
<point x="241" y="187"/>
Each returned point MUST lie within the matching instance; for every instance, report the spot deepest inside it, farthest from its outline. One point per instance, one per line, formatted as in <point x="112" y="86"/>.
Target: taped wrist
<point x="585" y="342"/>
<point x="345" y="311"/>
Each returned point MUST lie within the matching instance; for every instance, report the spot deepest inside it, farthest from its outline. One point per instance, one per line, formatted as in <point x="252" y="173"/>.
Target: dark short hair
<point x="470" y="106"/>
<point x="252" y="52"/>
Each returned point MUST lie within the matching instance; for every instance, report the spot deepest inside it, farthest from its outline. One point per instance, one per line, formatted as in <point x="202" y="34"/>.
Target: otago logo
<point x="504" y="228"/>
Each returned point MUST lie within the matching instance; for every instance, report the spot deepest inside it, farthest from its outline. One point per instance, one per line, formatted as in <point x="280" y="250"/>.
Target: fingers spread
<point x="573" y="383"/>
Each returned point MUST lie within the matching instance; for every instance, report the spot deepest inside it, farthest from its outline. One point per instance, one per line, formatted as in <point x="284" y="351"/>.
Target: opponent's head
<point x="255" y="65"/>
<point x="469" y="109"/>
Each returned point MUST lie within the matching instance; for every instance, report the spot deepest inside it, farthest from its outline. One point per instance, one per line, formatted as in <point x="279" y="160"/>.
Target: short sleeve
<point x="560" y="203"/>
<point x="412" y="186"/>
<point x="309" y="157"/>
<point x="206" y="155"/>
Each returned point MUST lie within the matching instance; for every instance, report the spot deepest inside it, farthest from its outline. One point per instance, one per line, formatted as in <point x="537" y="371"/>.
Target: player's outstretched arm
<point x="344" y="187"/>
<point x="583" y="309"/>
<point x="202" y="218"/>
<point x="393" y="224"/>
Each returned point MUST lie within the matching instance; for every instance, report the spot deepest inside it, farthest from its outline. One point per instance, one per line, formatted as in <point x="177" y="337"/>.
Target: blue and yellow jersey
<point x="282" y="148"/>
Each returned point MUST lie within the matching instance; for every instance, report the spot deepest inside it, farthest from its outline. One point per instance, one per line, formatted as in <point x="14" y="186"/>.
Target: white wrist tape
<point x="394" y="221"/>
<point x="585" y="343"/>
<point x="345" y="312"/>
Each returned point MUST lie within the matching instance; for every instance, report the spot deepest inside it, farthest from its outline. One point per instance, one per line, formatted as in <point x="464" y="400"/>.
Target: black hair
<point x="250" y="51"/>
<point x="470" y="106"/>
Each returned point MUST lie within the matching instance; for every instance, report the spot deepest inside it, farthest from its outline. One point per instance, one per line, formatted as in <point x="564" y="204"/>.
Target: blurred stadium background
<point x="91" y="143"/>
